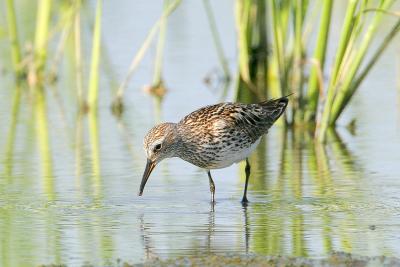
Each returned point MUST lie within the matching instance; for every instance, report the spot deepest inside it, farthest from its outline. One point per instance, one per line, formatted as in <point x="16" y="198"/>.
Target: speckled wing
<point x="215" y="131"/>
<point x="253" y="120"/>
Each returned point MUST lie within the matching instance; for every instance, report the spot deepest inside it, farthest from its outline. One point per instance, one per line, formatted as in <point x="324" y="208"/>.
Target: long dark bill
<point x="149" y="168"/>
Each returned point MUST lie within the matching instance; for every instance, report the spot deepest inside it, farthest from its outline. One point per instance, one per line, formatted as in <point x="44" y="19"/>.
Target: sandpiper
<point x="213" y="137"/>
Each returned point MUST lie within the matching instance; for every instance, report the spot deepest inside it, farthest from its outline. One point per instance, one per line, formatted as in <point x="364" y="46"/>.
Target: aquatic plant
<point x="93" y="90"/>
<point x="13" y="35"/>
<point x="282" y="47"/>
<point x="348" y="71"/>
<point x="217" y="40"/>
<point x="252" y="48"/>
<point x="41" y="38"/>
<point x="288" y="66"/>
<point x="117" y="103"/>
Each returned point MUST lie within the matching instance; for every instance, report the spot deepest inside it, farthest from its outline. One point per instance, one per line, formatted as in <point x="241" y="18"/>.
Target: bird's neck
<point x="181" y="145"/>
<point x="175" y="140"/>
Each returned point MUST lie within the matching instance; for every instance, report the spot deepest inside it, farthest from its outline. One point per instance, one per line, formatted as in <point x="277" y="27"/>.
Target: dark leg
<point x="247" y="171"/>
<point x="212" y="187"/>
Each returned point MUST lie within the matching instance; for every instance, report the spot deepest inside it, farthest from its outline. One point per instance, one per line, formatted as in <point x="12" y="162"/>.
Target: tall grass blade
<point x="343" y="43"/>
<point x="41" y="37"/>
<point x="296" y="85"/>
<point x="13" y="35"/>
<point x="280" y="11"/>
<point x="242" y="13"/>
<point x="345" y="89"/>
<point x="157" y="79"/>
<point x="142" y="50"/>
<point x="389" y="37"/>
<point x="314" y="89"/>
<point x="93" y="90"/>
<point x="78" y="55"/>
<point x="217" y="40"/>
<point x="253" y="50"/>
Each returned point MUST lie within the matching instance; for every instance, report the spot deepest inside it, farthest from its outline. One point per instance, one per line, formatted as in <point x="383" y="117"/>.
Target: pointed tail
<point x="276" y="107"/>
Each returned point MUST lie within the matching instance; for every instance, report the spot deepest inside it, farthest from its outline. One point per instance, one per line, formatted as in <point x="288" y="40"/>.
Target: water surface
<point x="73" y="198"/>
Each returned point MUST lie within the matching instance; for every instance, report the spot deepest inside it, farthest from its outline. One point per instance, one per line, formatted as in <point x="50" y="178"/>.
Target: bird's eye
<point x="157" y="147"/>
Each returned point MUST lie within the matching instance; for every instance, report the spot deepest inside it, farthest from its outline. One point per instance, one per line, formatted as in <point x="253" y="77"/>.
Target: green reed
<point x="253" y="49"/>
<point x="13" y="35"/>
<point x="78" y="54"/>
<point x="41" y="36"/>
<point x="117" y="103"/>
<point x="157" y="88"/>
<point x="93" y="89"/>
<point x="315" y="82"/>
<point x="320" y="96"/>
<point x="349" y="69"/>
<point x="217" y="40"/>
<point x="157" y="78"/>
<point x="305" y="173"/>
<point x="273" y="59"/>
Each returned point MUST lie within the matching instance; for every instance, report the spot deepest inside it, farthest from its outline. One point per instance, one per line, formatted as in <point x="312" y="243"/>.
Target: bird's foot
<point x="212" y="205"/>
<point x="212" y="201"/>
<point x="244" y="202"/>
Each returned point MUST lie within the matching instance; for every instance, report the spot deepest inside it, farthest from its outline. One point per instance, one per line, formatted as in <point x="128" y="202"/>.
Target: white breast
<point x="232" y="155"/>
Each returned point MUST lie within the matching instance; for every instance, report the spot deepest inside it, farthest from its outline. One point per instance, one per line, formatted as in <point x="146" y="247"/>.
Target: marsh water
<point x="68" y="191"/>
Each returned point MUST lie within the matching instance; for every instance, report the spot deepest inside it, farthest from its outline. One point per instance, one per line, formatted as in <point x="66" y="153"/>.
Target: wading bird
<point x="213" y="137"/>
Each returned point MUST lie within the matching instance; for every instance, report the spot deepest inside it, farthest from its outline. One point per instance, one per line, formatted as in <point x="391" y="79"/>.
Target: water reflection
<point x="304" y="179"/>
<point x="95" y="152"/>
<point x="291" y="209"/>
<point x="75" y="202"/>
<point x="42" y="135"/>
<point x="306" y="199"/>
<point x="11" y="136"/>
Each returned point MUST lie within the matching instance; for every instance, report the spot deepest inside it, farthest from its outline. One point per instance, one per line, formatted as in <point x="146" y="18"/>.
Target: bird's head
<point x="159" y="143"/>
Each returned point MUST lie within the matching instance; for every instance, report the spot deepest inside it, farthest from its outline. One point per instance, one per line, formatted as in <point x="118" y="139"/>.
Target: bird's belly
<point x="230" y="155"/>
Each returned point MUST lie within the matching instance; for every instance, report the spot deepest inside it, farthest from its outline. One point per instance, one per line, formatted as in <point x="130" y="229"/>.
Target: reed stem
<point x="345" y="90"/>
<point x="217" y="40"/>
<point x="93" y="90"/>
<point x="78" y="55"/>
<point x="297" y="66"/>
<point x="142" y="50"/>
<point x="314" y="89"/>
<point x="360" y="77"/>
<point x="253" y="50"/>
<point x="343" y="43"/>
<point x="13" y="35"/>
<point x="41" y="36"/>
<point x="242" y="10"/>
<point x="157" y="79"/>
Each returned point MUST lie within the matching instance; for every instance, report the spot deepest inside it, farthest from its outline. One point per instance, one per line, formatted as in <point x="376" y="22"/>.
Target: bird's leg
<point x="247" y="172"/>
<point x="212" y="187"/>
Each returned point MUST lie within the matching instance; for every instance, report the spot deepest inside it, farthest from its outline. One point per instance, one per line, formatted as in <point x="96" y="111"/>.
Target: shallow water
<point x="74" y="199"/>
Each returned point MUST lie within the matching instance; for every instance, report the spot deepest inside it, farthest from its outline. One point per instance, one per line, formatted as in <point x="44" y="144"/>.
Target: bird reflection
<point x="246" y="225"/>
<point x="208" y="231"/>
<point x="149" y="253"/>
